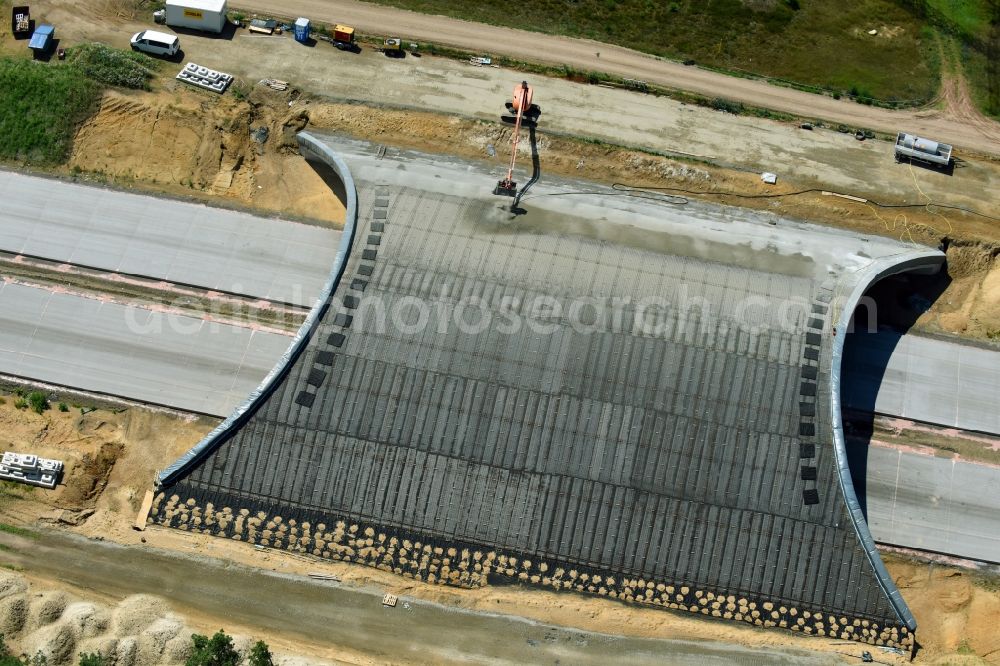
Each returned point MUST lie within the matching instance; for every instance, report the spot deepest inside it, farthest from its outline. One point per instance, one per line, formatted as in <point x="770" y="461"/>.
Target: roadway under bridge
<point x="931" y="380"/>
<point x="156" y="357"/>
<point x="179" y="242"/>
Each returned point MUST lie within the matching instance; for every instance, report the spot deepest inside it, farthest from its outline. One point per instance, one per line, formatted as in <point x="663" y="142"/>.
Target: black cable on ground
<point x="625" y="188"/>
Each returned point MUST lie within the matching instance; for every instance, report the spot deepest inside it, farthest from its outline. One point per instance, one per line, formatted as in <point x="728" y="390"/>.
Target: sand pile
<point x="184" y="144"/>
<point x="956" y="610"/>
<point x="137" y="631"/>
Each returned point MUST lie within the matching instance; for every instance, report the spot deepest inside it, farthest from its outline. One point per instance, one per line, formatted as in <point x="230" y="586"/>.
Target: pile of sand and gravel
<point x="137" y="631"/>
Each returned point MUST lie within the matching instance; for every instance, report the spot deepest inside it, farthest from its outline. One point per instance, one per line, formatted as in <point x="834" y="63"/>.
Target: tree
<point x="260" y="655"/>
<point x="93" y="659"/>
<point x="215" y="651"/>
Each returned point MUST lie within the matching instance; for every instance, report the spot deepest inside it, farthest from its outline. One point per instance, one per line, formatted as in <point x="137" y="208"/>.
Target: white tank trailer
<point x="205" y="15"/>
<point x="911" y="146"/>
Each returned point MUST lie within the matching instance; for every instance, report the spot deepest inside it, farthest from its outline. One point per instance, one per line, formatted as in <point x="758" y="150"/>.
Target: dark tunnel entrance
<point x="887" y="312"/>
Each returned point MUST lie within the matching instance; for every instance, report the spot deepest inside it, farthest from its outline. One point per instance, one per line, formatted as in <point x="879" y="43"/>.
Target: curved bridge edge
<point x="922" y="261"/>
<point x="311" y="148"/>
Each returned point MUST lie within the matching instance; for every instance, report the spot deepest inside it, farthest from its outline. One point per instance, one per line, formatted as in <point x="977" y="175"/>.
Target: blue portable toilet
<point x="41" y="40"/>
<point x="302" y="30"/>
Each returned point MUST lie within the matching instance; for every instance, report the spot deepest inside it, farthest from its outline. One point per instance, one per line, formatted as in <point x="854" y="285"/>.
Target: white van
<point x="155" y="43"/>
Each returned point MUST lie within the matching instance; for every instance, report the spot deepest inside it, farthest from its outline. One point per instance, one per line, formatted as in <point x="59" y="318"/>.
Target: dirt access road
<point x="959" y="123"/>
<point x="331" y="621"/>
<point x="824" y="158"/>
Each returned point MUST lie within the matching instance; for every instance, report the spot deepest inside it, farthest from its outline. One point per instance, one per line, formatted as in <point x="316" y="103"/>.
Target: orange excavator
<point x="525" y="113"/>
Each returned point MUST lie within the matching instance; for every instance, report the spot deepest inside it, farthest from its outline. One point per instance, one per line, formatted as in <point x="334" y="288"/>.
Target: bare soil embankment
<point x="225" y="150"/>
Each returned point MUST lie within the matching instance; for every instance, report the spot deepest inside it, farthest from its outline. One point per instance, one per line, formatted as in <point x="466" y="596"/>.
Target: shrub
<point x="93" y="659"/>
<point x="240" y="90"/>
<point x="39" y="401"/>
<point x="729" y="106"/>
<point x="114" y="67"/>
<point x="21" y="403"/>
<point x="63" y="407"/>
<point x="215" y="651"/>
<point x="7" y="658"/>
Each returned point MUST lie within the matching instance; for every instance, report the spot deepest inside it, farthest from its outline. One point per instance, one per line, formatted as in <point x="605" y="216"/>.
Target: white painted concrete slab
<point x="162" y="358"/>
<point x="925" y="379"/>
<point x="165" y="239"/>
<point x="930" y="503"/>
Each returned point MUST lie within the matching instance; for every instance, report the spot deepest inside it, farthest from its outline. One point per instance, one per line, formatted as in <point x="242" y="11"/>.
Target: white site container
<point x="207" y="15"/>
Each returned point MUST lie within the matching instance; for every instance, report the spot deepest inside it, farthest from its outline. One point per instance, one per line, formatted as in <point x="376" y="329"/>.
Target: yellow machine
<point x="343" y="37"/>
<point x="393" y="47"/>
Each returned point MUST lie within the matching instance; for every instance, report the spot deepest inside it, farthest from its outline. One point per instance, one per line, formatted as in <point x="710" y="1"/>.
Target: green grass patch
<point x="42" y="103"/>
<point x="40" y="106"/>
<point x="114" y="67"/>
<point x="969" y="17"/>
<point x="821" y="45"/>
<point x="11" y="490"/>
<point x="983" y="75"/>
<point x="17" y="531"/>
<point x="974" y="27"/>
<point x="964" y="647"/>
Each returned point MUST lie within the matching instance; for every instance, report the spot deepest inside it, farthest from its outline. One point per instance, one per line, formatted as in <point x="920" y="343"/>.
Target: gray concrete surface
<point x="351" y="622"/>
<point x="156" y="357"/>
<point x="684" y="446"/>
<point x="165" y="239"/>
<point x="924" y="379"/>
<point x="936" y="504"/>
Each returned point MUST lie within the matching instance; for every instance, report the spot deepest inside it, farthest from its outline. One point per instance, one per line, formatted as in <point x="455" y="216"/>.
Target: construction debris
<point x="275" y="84"/>
<point x="389" y="600"/>
<point x="30" y="469"/>
<point x="143" y="516"/>
<point x="206" y="78"/>
<point x="769" y="178"/>
<point x="263" y="26"/>
<point x="323" y="576"/>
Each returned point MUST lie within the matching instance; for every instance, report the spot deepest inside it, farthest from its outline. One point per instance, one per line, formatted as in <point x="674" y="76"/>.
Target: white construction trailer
<point x="911" y="146"/>
<point x="206" y="15"/>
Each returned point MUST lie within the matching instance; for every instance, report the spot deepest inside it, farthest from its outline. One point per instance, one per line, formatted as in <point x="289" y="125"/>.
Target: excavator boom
<point x="521" y="104"/>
